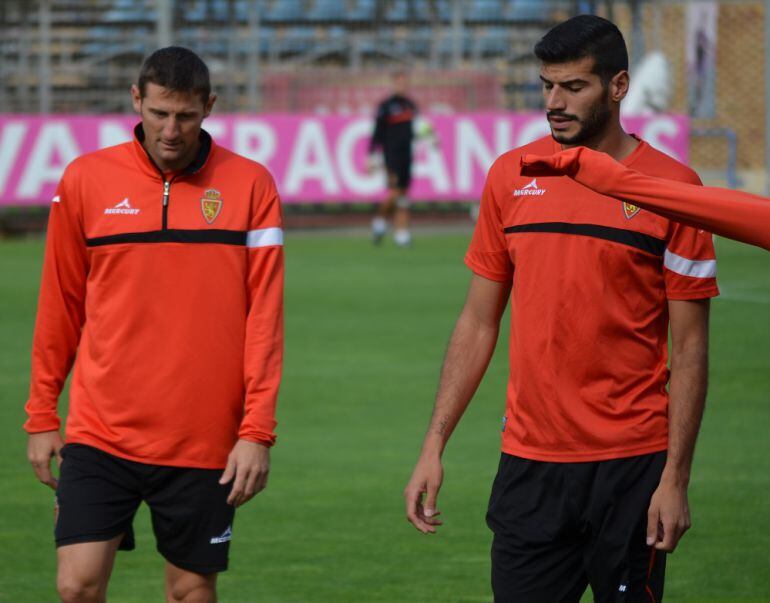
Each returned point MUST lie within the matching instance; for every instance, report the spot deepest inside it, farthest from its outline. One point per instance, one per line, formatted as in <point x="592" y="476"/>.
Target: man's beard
<point x="590" y="127"/>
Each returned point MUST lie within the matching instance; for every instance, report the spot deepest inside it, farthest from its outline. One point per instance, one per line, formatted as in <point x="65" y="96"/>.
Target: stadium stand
<point x="94" y="45"/>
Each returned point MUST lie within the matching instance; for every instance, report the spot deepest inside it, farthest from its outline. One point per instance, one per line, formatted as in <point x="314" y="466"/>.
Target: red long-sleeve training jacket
<point x="167" y="294"/>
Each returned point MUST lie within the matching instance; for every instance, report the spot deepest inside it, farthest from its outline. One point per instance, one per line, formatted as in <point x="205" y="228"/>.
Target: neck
<point x="614" y="141"/>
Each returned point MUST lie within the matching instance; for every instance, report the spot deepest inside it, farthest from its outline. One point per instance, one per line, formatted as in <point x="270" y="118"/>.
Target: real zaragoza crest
<point x="211" y="204"/>
<point x="630" y="210"/>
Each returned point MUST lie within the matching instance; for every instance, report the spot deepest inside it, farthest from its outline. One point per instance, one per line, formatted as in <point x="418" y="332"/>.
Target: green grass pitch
<point x="366" y="330"/>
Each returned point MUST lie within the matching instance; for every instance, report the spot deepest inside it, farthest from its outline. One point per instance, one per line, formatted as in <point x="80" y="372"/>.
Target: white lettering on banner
<point x="536" y="128"/>
<point x="658" y="128"/>
<point x="215" y="127"/>
<point x="470" y="145"/>
<point x="314" y="158"/>
<point x="432" y="166"/>
<point x="10" y="143"/>
<point x="311" y="160"/>
<point x="55" y="138"/>
<point x="503" y="137"/>
<point x="361" y="183"/>
<point x="255" y="140"/>
<point x="111" y="133"/>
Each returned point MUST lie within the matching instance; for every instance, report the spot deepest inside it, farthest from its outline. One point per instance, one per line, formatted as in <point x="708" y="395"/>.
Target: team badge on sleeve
<point x="630" y="210"/>
<point x="211" y="204"/>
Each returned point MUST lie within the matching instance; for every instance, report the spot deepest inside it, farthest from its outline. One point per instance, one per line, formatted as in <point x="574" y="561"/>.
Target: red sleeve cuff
<point x="254" y="435"/>
<point x="693" y="294"/>
<point x="38" y="422"/>
<point x="485" y="270"/>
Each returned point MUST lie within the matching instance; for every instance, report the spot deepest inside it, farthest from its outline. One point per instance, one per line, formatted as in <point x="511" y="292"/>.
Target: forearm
<point x="465" y="363"/>
<point x="687" y="391"/>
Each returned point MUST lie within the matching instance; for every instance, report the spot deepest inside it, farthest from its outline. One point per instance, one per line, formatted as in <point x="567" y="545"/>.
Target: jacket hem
<point x="535" y="454"/>
<point x="149" y="460"/>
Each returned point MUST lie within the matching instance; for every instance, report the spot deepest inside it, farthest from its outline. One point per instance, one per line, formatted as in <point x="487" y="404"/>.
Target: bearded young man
<point x="596" y="449"/>
<point x="163" y="283"/>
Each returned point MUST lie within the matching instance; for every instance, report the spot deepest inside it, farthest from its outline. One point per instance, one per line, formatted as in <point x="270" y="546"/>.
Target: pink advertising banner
<point x="312" y="158"/>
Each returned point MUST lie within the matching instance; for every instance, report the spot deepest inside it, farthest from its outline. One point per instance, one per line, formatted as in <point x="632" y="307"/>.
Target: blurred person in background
<point x="163" y="284"/>
<point x="598" y="436"/>
<point x="394" y="135"/>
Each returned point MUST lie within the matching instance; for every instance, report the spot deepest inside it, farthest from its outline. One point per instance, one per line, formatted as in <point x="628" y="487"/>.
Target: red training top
<point x="589" y="315"/>
<point x="732" y="214"/>
<point x="170" y="289"/>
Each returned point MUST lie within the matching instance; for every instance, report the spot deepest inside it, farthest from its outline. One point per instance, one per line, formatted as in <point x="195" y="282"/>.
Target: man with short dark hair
<point x="596" y="450"/>
<point x="163" y="283"/>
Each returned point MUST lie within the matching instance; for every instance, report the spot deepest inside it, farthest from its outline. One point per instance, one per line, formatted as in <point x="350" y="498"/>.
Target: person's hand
<point x="41" y="448"/>
<point x="565" y="163"/>
<point x="425" y="482"/>
<point x="249" y="464"/>
<point x="668" y="517"/>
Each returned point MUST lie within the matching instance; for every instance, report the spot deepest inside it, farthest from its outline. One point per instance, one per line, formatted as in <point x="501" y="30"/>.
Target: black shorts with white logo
<point x="98" y="495"/>
<point x="560" y="527"/>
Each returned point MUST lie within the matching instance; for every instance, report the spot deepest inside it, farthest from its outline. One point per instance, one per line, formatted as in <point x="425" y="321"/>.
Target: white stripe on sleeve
<point x="264" y="237"/>
<point x="695" y="268"/>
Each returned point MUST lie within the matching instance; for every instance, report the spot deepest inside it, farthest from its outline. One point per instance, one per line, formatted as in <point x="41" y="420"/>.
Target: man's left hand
<point x="668" y="517"/>
<point x="249" y="464"/>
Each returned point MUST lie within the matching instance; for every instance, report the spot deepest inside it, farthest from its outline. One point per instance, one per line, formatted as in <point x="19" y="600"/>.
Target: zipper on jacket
<point x="166" y="190"/>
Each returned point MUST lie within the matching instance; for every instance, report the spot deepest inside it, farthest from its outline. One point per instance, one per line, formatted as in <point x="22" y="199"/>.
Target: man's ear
<point x="136" y="98"/>
<point x="618" y="86"/>
<point x="209" y="105"/>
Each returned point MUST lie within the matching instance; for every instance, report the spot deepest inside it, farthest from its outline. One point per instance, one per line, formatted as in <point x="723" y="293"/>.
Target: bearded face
<point x="577" y="102"/>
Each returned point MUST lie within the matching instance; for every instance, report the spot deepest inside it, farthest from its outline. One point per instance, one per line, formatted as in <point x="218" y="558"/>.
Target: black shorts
<point x="98" y="495"/>
<point x="559" y="527"/>
<point x="399" y="168"/>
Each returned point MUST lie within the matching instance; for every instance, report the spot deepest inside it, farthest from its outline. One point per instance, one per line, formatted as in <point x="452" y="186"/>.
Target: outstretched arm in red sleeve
<point x="732" y="214"/>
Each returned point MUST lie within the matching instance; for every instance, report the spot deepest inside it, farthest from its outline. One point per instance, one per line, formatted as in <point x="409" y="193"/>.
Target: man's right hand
<point x="41" y="448"/>
<point x="425" y="482"/>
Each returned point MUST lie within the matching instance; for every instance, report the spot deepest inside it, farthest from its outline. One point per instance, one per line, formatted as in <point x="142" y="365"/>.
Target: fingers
<point x="672" y="532"/>
<point x="249" y="481"/>
<point x="42" y="468"/>
<point x="535" y="165"/>
<point x="260" y="482"/>
<point x="44" y="475"/>
<point x="412" y="499"/>
<point x="41" y="448"/>
<point x="664" y="532"/>
<point x="229" y="471"/>
<point x="565" y="162"/>
<point x="255" y="482"/>
<point x="430" y="500"/>
<point x="653" y="524"/>
<point x="236" y="493"/>
<point x="422" y="517"/>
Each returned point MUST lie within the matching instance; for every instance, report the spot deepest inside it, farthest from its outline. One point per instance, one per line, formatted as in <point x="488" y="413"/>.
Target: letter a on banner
<point x="311" y="160"/>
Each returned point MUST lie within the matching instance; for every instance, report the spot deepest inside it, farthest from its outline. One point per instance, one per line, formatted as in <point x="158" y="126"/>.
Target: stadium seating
<point x="96" y="45"/>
